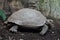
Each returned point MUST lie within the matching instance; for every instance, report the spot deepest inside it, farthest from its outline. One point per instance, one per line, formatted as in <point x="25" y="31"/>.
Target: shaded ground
<point x="53" y="34"/>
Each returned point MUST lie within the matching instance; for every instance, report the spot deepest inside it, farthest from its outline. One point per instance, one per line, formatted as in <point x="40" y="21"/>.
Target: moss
<point x="41" y="1"/>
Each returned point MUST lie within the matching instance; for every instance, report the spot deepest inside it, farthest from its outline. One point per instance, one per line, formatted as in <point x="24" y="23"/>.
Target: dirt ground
<point x="52" y="34"/>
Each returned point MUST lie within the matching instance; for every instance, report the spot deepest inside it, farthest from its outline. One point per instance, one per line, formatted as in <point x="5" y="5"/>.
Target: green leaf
<point x="2" y="14"/>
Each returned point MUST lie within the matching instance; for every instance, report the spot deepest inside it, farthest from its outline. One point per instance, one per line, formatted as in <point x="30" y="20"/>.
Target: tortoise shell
<point x="28" y="18"/>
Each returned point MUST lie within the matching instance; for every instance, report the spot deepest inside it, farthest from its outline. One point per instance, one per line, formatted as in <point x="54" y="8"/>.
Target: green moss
<point x="41" y="1"/>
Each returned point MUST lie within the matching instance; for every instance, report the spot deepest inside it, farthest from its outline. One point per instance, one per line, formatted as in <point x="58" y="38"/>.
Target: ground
<point x="52" y="34"/>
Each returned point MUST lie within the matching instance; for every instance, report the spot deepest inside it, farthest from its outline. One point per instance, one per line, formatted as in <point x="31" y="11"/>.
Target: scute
<point x="28" y="17"/>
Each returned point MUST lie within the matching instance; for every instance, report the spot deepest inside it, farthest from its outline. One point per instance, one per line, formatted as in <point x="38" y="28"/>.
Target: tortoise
<point x="29" y="18"/>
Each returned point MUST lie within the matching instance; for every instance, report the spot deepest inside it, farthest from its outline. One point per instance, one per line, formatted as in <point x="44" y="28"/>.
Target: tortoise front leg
<point x="14" y="28"/>
<point x="44" y="29"/>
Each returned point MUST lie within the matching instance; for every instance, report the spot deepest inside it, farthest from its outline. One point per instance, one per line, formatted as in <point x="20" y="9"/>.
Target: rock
<point x="21" y="39"/>
<point x="0" y="37"/>
<point x="53" y="32"/>
<point x="58" y="39"/>
<point x="22" y="34"/>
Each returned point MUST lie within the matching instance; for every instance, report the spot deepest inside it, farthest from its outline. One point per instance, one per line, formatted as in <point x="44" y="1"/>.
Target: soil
<point x="52" y="34"/>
